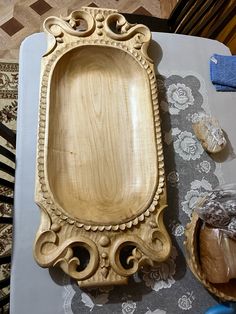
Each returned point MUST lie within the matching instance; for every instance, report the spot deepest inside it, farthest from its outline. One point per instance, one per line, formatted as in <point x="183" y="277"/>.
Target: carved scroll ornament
<point x="100" y="168"/>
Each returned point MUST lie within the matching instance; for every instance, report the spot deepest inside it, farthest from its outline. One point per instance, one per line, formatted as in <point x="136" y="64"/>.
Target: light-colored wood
<point x="100" y="171"/>
<point x="224" y="291"/>
<point x="228" y="35"/>
<point x="25" y="12"/>
<point x="106" y="156"/>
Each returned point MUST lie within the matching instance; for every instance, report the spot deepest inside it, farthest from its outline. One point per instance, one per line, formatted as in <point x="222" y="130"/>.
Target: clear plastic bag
<point x="208" y="131"/>
<point x="218" y="209"/>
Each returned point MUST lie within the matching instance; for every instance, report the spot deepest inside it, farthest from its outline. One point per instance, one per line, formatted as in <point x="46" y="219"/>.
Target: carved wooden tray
<point x="100" y="170"/>
<point x="224" y="291"/>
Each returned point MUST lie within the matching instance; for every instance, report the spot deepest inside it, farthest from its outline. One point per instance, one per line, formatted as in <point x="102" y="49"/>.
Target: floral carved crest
<point x="90" y="252"/>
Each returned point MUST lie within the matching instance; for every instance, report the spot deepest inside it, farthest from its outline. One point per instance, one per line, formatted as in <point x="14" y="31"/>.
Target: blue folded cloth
<point x="223" y="72"/>
<point x="222" y="309"/>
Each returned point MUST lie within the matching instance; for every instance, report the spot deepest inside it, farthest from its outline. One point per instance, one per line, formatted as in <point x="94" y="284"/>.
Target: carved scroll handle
<point x="50" y="252"/>
<point x="141" y="254"/>
<point x="58" y="27"/>
<point x="126" y="31"/>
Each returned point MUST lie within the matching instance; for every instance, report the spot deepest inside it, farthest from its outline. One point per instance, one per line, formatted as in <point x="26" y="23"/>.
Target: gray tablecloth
<point x="184" y="91"/>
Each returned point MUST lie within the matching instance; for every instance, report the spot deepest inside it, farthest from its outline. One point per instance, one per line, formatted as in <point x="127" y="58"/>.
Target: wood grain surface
<point x="100" y="180"/>
<point x="103" y="163"/>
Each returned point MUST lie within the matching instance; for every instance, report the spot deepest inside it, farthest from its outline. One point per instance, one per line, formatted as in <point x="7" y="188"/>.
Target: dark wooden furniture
<point x="203" y="18"/>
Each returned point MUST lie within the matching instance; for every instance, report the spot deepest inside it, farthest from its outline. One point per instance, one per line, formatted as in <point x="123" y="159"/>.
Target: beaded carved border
<point x="41" y="140"/>
<point x="139" y="54"/>
<point x="60" y="235"/>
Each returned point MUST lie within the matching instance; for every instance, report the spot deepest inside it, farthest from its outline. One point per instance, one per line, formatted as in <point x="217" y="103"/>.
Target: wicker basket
<point x="226" y="291"/>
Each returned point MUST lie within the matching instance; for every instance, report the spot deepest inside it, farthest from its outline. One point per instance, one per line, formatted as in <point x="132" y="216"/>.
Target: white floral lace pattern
<point x="204" y="167"/>
<point x="195" y="117"/>
<point x="186" y="301"/>
<point x="187" y="146"/>
<point x="198" y="190"/>
<point x="128" y="307"/>
<point x="179" y="97"/>
<point x="176" y="229"/>
<point x="91" y="301"/>
<point x="161" y="276"/>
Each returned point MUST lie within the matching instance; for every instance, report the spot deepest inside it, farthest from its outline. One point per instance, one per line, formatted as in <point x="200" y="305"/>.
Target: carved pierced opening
<point x="113" y="25"/>
<point x="108" y="165"/>
<point x="81" y="25"/>
<point x="125" y="253"/>
<point x="83" y="256"/>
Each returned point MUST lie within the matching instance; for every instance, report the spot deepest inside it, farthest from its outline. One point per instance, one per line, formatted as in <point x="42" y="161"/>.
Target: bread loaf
<point x="217" y="255"/>
<point x="209" y="133"/>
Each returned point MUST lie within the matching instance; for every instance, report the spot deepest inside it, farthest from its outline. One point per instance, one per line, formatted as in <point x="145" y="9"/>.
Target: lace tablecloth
<point x="190" y="172"/>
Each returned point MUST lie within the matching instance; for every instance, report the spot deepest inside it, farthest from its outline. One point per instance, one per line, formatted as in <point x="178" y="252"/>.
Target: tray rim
<point x="103" y="242"/>
<point x="56" y="55"/>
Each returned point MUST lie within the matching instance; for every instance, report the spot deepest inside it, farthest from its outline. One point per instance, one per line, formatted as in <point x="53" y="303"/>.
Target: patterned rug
<point x="8" y="112"/>
<point x="19" y="19"/>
